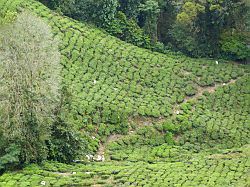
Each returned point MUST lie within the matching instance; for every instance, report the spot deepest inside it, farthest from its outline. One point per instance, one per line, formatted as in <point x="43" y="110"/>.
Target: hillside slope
<point x="106" y="75"/>
<point x="189" y="118"/>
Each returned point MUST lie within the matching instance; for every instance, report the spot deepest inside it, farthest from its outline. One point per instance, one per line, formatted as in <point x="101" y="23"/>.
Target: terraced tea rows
<point x="215" y="121"/>
<point x="220" y="119"/>
<point x="189" y="138"/>
<point x="231" y="168"/>
<point x="107" y="76"/>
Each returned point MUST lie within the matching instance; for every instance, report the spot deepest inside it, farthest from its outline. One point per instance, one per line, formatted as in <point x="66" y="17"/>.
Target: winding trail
<point x="102" y="146"/>
<point x="210" y="89"/>
<point x="199" y="93"/>
<point x="142" y="121"/>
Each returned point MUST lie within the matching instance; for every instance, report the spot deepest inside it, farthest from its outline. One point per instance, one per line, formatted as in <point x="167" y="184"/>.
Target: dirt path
<point x="199" y="93"/>
<point x="102" y="146"/>
<point x="210" y="89"/>
<point x="142" y="121"/>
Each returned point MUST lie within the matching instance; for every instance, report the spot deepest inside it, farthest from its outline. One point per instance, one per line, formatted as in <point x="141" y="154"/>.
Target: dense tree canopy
<point x="197" y="28"/>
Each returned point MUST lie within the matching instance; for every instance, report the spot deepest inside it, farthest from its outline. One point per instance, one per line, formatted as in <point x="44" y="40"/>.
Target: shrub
<point x="186" y="107"/>
<point x="190" y="90"/>
<point x="9" y="156"/>
<point x="169" y="126"/>
<point x="66" y="143"/>
<point x="180" y="98"/>
<point x="103" y="130"/>
<point x="169" y="138"/>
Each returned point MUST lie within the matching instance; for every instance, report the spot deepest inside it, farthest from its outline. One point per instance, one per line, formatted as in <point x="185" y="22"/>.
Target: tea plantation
<point x="159" y="120"/>
<point x="230" y="168"/>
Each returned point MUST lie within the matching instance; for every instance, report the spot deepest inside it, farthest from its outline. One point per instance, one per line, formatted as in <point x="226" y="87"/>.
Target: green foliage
<point x="190" y="90"/>
<point x="101" y="12"/>
<point x="66" y="143"/>
<point x="189" y="13"/>
<point x="198" y="30"/>
<point x="107" y="81"/>
<point x="219" y="120"/>
<point x="29" y="85"/>
<point x="9" y="157"/>
<point x="234" y="45"/>
<point x="193" y="27"/>
<point x="230" y="168"/>
<point x="128" y="30"/>
<point x="169" y="138"/>
<point x="7" y="17"/>
<point x="150" y="11"/>
<point x="105" y="75"/>
<point x="61" y="6"/>
<point x="169" y="126"/>
<point x="130" y="7"/>
<point x="184" y="39"/>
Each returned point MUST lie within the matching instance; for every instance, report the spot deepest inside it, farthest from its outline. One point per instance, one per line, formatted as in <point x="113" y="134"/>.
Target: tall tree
<point x="200" y="25"/>
<point x="130" y="8"/>
<point x="150" y="10"/>
<point x="29" y="85"/>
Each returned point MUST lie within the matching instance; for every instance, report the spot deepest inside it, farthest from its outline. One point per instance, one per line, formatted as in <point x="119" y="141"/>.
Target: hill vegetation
<point x="197" y="28"/>
<point x="152" y="119"/>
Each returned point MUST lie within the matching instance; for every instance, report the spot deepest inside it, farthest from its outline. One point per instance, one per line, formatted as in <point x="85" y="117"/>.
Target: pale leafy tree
<point x="29" y="84"/>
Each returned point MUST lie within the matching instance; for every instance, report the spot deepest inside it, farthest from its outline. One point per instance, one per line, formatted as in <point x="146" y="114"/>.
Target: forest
<point x="125" y="93"/>
<point x="197" y="28"/>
